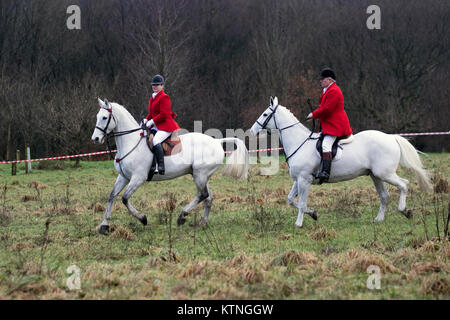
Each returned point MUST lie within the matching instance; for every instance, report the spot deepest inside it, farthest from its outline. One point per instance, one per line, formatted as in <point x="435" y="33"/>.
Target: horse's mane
<point x="290" y="114"/>
<point x="124" y="111"/>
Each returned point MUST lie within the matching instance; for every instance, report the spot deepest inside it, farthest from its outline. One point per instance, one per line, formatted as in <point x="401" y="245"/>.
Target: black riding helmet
<point x="158" y="79"/>
<point x="327" y="73"/>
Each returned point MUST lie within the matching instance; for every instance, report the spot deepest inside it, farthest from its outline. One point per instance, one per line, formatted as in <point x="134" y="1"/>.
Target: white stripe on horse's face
<point x="102" y="120"/>
<point x="257" y="126"/>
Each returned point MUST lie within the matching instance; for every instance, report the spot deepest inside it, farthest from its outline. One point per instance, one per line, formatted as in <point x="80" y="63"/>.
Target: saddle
<point x="172" y="145"/>
<point x="336" y="145"/>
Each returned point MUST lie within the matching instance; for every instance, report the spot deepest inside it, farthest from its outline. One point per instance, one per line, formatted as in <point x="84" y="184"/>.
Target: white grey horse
<point x="201" y="156"/>
<point x="371" y="153"/>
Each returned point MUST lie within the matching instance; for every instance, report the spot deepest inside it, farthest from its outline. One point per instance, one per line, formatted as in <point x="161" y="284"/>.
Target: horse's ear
<point x="108" y="105"/>
<point x="275" y="101"/>
<point x="101" y="103"/>
<point x="271" y="100"/>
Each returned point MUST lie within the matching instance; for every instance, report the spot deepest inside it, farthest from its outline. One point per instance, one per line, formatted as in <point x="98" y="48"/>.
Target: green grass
<point x="250" y="249"/>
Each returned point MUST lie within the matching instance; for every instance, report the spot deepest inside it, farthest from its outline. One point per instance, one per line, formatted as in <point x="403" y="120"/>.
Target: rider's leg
<point x="327" y="144"/>
<point x="159" y="137"/>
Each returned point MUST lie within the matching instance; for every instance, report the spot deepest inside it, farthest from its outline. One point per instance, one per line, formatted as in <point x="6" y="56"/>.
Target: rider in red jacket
<point x="333" y="119"/>
<point x="162" y="118"/>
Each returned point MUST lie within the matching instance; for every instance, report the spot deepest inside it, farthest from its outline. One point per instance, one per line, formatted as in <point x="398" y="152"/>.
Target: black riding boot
<point x="159" y="153"/>
<point x="324" y="174"/>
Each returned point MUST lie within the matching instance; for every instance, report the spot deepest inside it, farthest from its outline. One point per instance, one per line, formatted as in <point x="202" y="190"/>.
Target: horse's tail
<point x="236" y="165"/>
<point x="410" y="159"/>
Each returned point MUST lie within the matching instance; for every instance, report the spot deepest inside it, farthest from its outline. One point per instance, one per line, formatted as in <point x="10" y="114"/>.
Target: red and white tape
<point x="257" y="150"/>
<point x="424" y="133"/>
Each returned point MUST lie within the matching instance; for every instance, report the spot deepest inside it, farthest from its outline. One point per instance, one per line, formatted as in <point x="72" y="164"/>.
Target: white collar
<point x="325" y="89"/>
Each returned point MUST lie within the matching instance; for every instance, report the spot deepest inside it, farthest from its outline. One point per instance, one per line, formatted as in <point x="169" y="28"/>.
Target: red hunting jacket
<point x="333" y="119"/>
<point x="159" y="110"/>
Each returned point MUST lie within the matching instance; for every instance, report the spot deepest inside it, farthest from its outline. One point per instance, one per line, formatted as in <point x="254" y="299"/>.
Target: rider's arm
<point x="164" y="110"/>
<point x="328" y="106"/>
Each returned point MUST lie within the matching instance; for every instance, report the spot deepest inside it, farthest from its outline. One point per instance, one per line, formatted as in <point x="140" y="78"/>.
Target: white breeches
<point x="327" y="143"/>
<point x="160" y="136"/>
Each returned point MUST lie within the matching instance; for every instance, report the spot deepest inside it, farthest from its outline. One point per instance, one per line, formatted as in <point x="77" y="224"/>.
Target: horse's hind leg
<point x="384" y="197"/>
<point x="207" y="203"/>
<point x="120" y="183"/>
<point x="201" y="181"/>
<point x="135" y="183"/>
<point x="303" y="191"/>
<point x="402" y="185"/>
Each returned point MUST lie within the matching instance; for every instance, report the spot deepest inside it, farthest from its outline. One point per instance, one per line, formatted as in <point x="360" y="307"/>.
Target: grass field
<point x="250" y="249"/>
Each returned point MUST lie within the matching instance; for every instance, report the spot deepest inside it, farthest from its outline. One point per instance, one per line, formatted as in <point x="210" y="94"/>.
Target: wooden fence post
<point x="14" y="165"/>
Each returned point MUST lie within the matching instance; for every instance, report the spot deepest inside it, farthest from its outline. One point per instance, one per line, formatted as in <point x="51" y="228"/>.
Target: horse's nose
<point x="96" y="140"/>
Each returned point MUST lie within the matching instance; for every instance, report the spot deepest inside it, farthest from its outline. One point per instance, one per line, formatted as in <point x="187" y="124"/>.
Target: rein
<point x="112" y="134"/>
<point x="263" y="126"/>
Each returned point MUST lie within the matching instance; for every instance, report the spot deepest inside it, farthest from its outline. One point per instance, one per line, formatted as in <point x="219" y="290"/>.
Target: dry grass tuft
<point x="193" y="269"/>
<point x="228" y="292"/>
<point x="428" y="246"/>
<point x="426" y="267"/>
<point x="251" y="274"/>
<point x="181" y="291"/>
<point x="295" y="257"/>
<point x="359" y="261"/>
<point x="97" y="207"/>
<point x="436" y="284"/>
<point x="280" y="192"/>
<point x="20" y="246"/>
<point x="320" y="232"/>
<point x="120" y="232"/>
<point x="440" y="184"/>
<point x="236" y="199"/>
<point x="405" y="256"/>
<point x="31" y="267"/>
<point x="37" y="185"/>
<point x="155" y="261"/>
<point x="238" y="260"/>
<point x="27" y="198"/>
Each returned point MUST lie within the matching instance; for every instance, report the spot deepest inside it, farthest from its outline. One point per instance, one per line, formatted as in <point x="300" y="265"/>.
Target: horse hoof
<point x="407" y="213"/>
<point x="104" y="229"/>
<point x="299" y="225"/>
<point x="144" y="220"/>
<point x="314" y="215"/>
<point x="181" y="221"/>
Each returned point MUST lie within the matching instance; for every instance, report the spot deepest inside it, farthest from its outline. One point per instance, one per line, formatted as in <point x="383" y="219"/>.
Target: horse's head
<point x="266" y="119"/>
<point x="105" y="122"/>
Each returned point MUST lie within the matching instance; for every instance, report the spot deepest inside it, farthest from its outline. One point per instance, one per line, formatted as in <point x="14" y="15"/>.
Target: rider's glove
<point x="143" y="122"/>
<point x="150" y="123"/>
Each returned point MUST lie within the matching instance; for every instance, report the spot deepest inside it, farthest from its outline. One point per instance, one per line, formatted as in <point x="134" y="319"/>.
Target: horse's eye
<point x="265" y="114"/>
<point x="104" y="118"/>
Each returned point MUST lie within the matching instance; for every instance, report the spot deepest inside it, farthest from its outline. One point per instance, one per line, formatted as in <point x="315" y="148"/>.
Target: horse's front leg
<point x="293" y="202"/>
<point x="134" y="184"/>
<point x="293" y="194"/>
<point x="303" y="186"/>
<point x="120" y="183"/>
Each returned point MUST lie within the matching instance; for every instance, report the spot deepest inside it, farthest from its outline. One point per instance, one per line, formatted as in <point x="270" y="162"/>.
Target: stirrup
<point x="323" y="177"/>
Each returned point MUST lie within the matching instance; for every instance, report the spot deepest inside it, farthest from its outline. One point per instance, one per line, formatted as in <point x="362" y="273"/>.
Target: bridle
<point x="113" y="134"/>
<point x="266" y="121"/>
<point x="107" y="123"/>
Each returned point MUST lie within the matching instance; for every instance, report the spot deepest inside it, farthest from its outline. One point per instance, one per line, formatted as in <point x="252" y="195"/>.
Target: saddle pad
<point x="337" y="146"/>
<point x="172" y="145"/>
